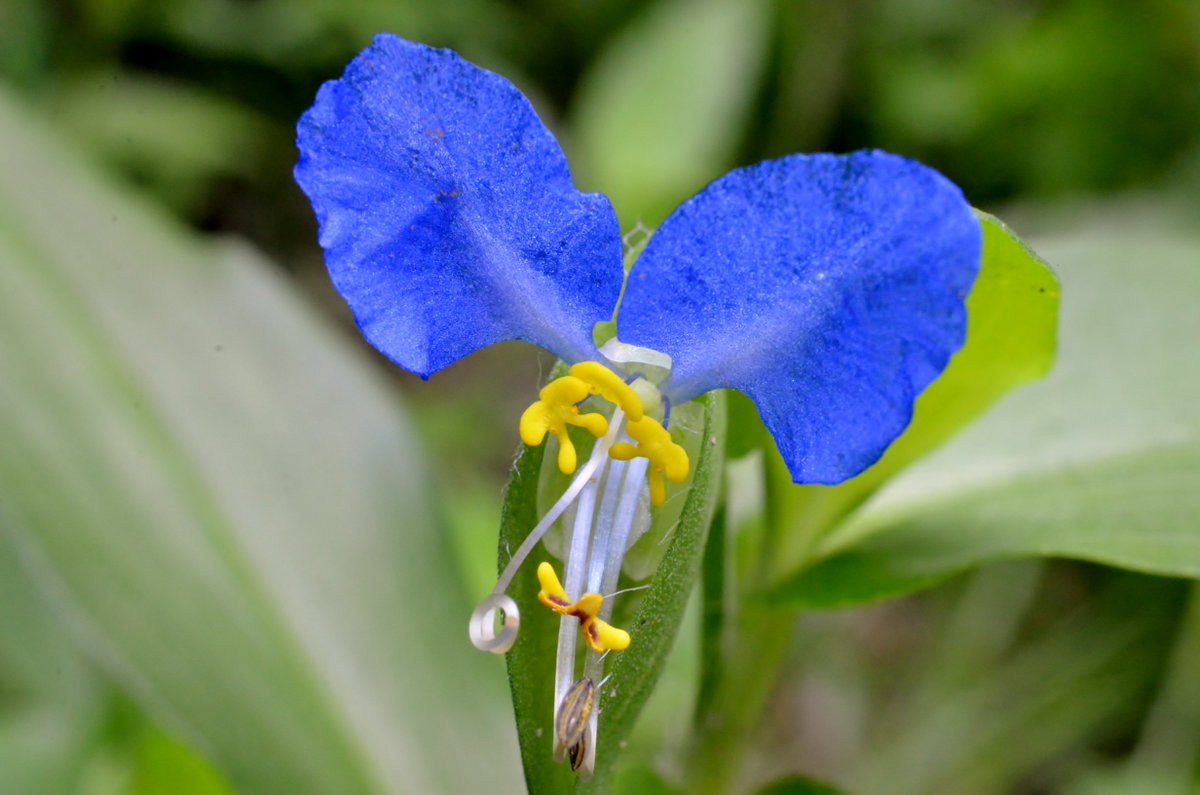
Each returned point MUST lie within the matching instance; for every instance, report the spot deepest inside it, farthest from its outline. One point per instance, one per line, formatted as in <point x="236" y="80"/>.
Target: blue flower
<point x="829" y="289"/>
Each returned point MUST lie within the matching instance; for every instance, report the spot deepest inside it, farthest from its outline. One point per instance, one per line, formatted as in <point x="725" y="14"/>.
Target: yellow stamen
<point x="610" y="386"/>
<point x="602" y="636"/>
<point x="558" y="406"/>
<point x="654" y="443"/>
<point x="554" y="410"/>
<point x="599" y="635"/>
<point x="552" y="595"/>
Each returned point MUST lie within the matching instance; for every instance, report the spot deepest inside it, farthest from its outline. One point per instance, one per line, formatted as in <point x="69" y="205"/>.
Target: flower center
<point x="606" y="492"/>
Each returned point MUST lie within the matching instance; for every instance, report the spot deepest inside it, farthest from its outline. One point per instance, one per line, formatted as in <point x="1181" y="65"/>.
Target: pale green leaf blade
<point x="229" y="504"/>
<point x="1099" y="462"/>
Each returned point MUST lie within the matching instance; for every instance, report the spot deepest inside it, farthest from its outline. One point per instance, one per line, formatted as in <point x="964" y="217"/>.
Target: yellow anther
<point x="588" y="606"/>
<point x="666" y="458"/>
<point x="602" y="636"/>
<point x="554" y="411"/>
<point x="552" y="595"/>
<point x="610" y="386"/>
<point x="599" y="635"/>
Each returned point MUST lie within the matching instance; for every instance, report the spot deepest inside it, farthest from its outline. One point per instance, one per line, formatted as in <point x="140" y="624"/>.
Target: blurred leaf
<point x="24" y="39"/>
<point x="1167" y="757"/>
<point x="37" y="657"/>
<point x="1012" y="315"/>
<point x="641" y="781"/>
<point x="798" y="786"/>
<point x="660" y="112"/>
<point x="811" y="68"/>
<point x="43" y="748"/>
<point x="175" y="138"/>
<point x="1073" y="680"/>
<point x="747" y="433"/>
<point x="291" y="33"/>
<point x="230" y="504"/>
<point x="163" y="765"/>
<point x="1011" y="99"/>
<point x="1099" y="462"/>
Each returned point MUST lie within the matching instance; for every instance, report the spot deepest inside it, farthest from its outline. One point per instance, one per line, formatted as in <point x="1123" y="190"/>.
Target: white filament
<point x="481" y="628"/>
<point x="608" y="572"/>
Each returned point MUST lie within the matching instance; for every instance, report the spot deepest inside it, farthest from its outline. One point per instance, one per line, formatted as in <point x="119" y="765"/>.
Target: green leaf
<point x="1074" y="675"/>
<point x="43" y="747"/>
<point x="276" y="32"/>
<point x="171" y="136"/>
<point x="227" y="504"/>
<point x="642" y="781"/>
<point x="531" y="660"/>
<point x="798" y="786"/>
<point x="25" y="27"/>
<point x="1012" y="315"/>
<point x="659" y="114"/>
<point x="163" y="765"/>
<point x="37" y="656"/>
<point x="1099" y="462"/>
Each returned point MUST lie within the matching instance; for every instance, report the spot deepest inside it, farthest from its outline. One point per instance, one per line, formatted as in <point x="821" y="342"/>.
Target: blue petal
<point x="447" y="213"/>
<point x="829" y="289"/>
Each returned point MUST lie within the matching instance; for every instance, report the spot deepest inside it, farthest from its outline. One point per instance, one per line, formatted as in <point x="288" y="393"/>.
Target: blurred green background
<point x="190" y="427"/>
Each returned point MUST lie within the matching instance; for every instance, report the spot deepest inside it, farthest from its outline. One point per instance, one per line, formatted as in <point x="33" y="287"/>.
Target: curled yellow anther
<point x="554" y="410"/>
<point x="610" y="386"/>
<point x="597" y="633"/>
<point x="666" y="458"/>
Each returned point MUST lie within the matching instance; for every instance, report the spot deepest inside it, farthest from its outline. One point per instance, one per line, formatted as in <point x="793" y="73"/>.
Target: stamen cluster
<point x="606" y="494"/>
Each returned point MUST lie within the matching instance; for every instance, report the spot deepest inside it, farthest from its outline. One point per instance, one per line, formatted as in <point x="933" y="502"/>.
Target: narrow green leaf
<point x="1099" y="462"/>
<point x="660" y="112"/>
<point x="225" y="499"/>
<point x="531" y="660"/>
